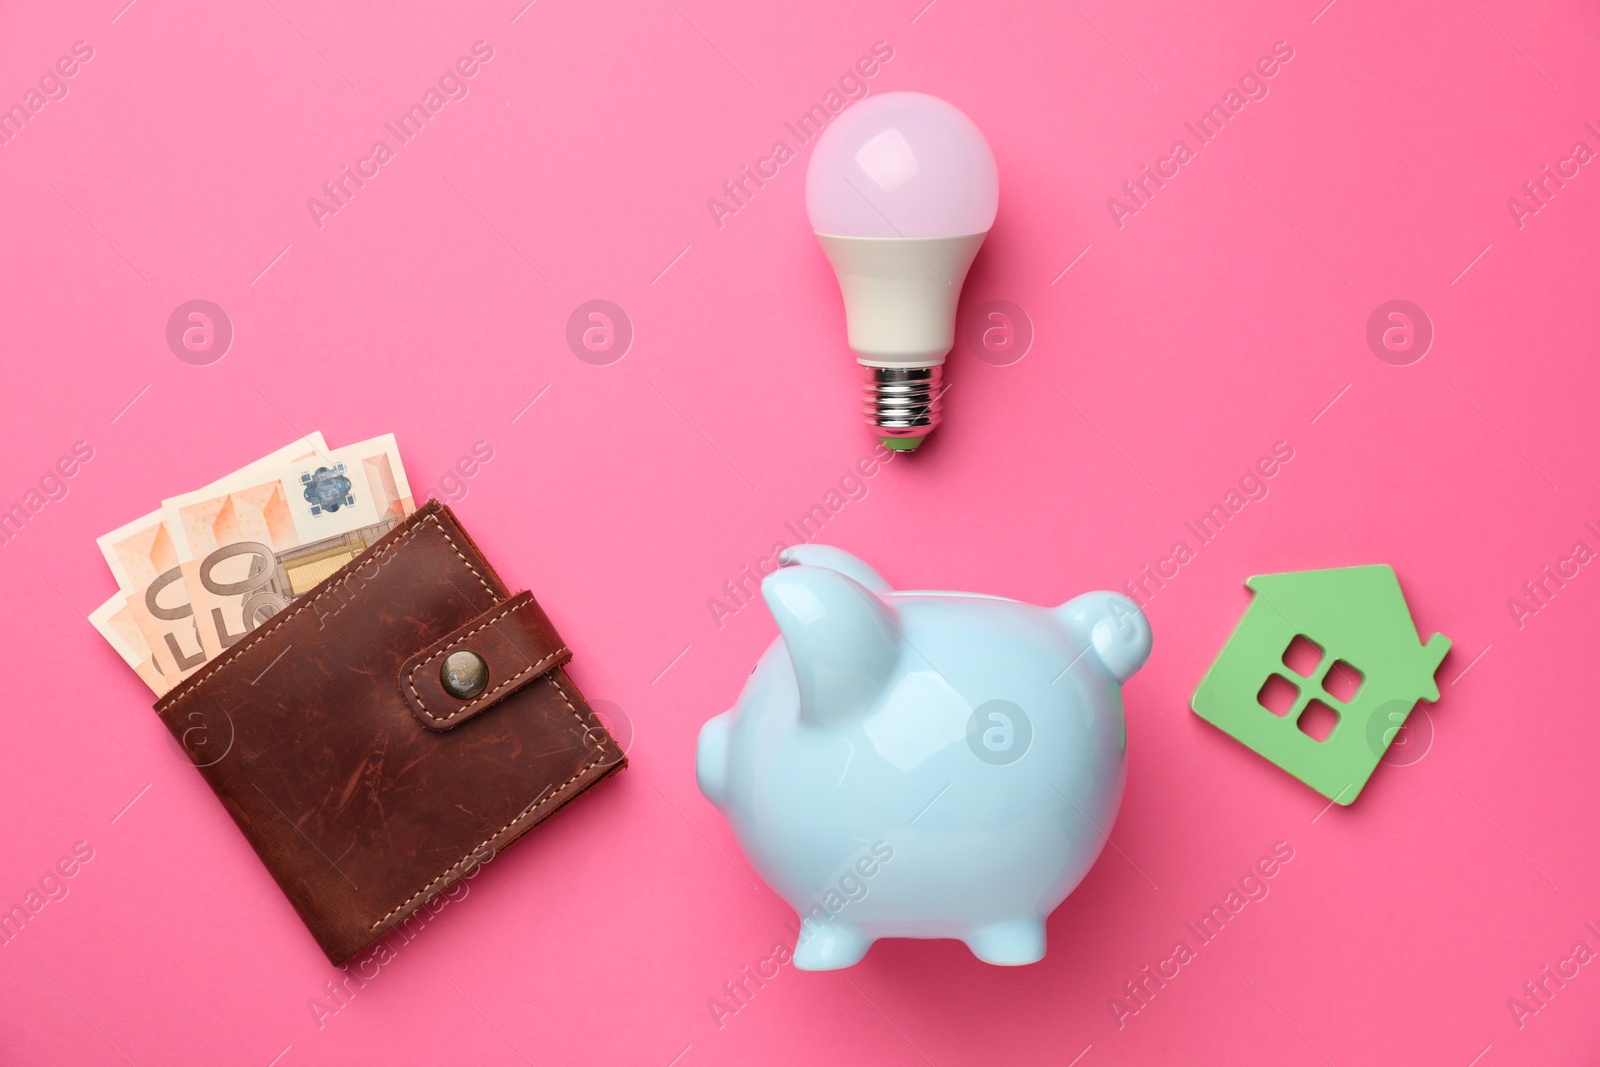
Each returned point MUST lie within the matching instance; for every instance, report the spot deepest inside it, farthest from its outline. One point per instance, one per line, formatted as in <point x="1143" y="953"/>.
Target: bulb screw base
<point x="902" y="404"/>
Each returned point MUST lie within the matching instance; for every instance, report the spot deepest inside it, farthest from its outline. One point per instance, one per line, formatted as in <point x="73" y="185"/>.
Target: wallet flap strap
<point x="481" y="663"/>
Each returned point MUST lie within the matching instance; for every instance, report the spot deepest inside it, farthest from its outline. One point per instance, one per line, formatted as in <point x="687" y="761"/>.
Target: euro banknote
<point x="117" y="625"/>
<point x="247" y="547"/>
<point x="151" y="590"/>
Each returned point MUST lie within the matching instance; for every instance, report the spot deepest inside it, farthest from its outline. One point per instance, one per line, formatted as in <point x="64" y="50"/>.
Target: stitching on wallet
<point x="529" y="810"/>
<point x="435" y="520"/>
<point x="411" y="678"/>
<point x="308" y="601"/>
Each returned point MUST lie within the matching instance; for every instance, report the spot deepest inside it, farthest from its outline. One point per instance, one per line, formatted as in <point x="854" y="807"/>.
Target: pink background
<point x="1226" y="315"/>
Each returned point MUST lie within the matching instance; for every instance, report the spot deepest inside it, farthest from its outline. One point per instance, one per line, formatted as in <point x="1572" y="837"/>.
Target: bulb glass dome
<point x="902" y="165"/>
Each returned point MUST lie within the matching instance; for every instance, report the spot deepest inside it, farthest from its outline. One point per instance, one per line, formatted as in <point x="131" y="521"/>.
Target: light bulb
<point x="902" y="190"/>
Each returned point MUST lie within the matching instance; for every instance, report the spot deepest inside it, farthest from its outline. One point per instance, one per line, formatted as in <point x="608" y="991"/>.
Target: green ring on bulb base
<point x="901" y="444"/>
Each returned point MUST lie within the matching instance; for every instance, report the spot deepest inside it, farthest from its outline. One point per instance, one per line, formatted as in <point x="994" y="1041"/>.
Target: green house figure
<point x="1321" y="673"/>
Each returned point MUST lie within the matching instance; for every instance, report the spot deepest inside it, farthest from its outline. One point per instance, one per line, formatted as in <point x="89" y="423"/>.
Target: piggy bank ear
<point x="835" y="559"/>
<point x="1115" y="628"/>
<point x="843" y="640"/>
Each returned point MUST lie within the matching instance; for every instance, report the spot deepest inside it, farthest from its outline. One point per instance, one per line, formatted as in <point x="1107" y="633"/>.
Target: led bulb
<point x="902" y="190"/>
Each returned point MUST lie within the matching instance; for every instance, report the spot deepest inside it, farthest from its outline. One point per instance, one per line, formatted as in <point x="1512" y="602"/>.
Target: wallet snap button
<point x="464" y="675"/>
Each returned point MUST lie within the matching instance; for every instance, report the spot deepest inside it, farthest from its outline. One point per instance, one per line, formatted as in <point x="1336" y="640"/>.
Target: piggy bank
<point x="922" y="763"/>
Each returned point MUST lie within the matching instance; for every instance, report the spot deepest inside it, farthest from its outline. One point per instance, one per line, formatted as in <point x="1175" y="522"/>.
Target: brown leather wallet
<point x="368" y="778"/>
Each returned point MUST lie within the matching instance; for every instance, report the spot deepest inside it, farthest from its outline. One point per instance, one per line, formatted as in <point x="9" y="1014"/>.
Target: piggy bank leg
<point x="1008" y="944"/>
<point x="838" y="943"/>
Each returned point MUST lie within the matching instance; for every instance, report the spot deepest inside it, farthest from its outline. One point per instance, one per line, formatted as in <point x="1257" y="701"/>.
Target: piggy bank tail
<point x="1115" y="628"/>
<point x="711" y="760"/>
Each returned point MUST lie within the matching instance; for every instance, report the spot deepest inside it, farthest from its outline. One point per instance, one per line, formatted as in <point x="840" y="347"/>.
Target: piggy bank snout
<point x="711" y="760"/>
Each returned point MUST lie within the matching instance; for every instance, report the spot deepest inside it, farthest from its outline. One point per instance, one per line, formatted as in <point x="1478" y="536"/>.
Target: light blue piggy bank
<point x="924" y="764"/>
